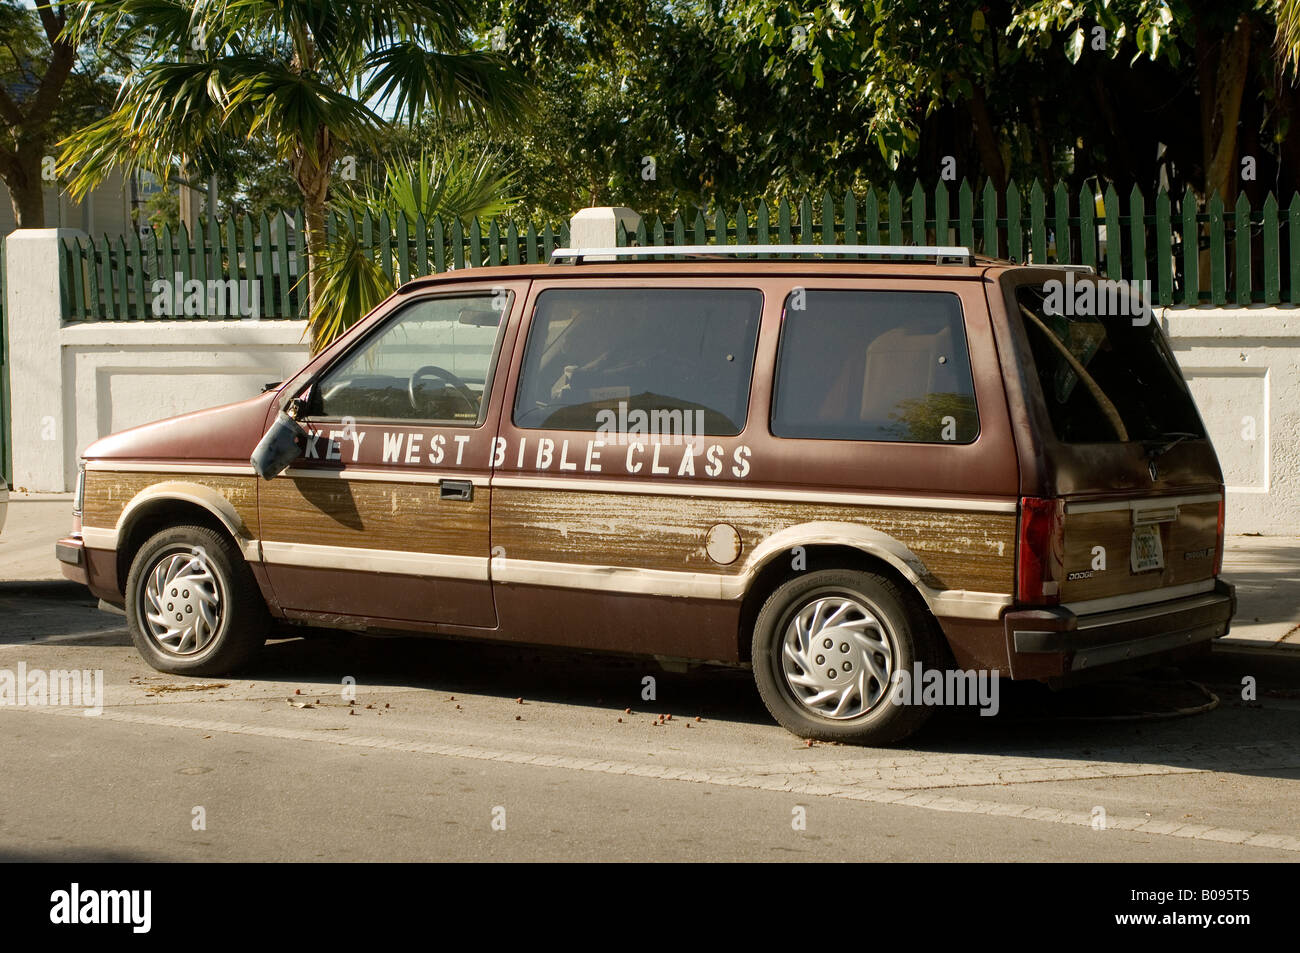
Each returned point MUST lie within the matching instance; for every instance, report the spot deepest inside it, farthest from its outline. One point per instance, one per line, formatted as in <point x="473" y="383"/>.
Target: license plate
<point x="1147" y="553"/>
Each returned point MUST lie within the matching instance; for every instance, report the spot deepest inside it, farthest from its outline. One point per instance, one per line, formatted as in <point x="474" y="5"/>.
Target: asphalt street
<point x="458" y="751"/>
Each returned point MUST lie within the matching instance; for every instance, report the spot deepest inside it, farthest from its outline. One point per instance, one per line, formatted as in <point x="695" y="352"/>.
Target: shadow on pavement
<point x="1126" y="719"/>
<point x="56" y="613"/>
<point x="71" y="853"/>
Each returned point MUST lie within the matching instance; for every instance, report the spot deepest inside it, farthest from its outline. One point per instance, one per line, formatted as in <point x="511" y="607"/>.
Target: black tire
<point x="241" y="619"/>
<point x="905" y="624"/>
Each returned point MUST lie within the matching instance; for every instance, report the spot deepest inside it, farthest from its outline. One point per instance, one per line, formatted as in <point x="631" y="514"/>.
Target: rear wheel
<point x="826" y="648"/>
<point x="192" y="604"/>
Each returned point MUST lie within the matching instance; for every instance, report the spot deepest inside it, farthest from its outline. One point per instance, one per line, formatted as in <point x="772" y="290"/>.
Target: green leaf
<point x="1074" y="45"/>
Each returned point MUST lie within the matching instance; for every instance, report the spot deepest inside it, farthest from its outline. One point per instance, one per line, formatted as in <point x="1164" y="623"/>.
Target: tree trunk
<point x="21" y="169"/>
<point x="986" y="140"/>
<point x="314" y="213"/>
<point x="312" y="173"/>
<point x="187" y="210"/>
<point x="21" y="174"/>
<point x="1219" y="138"/>
<point x="1040" y="139"/>
<point x="1221" y="67"/>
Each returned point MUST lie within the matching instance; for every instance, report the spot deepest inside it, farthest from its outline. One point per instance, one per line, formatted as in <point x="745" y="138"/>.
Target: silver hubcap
<point x="837" y="657"/>
<point x="182" y="603"/>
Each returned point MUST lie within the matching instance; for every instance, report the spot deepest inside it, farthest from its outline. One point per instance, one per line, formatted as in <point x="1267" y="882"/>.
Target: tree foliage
<point x="48" y="87"/>
<point x="736" y="99"/>
<point x="308" y="78"/>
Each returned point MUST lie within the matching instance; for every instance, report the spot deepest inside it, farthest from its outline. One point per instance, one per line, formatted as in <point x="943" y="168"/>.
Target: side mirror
<point x="280" y="446"/>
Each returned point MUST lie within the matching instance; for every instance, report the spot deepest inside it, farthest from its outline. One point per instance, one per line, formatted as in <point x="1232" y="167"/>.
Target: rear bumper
<point x="1054" y="641"/>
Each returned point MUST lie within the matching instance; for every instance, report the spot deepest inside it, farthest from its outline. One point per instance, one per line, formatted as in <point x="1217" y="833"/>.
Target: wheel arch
<point x="827" y="545"/>
<point x="172" y="503"/>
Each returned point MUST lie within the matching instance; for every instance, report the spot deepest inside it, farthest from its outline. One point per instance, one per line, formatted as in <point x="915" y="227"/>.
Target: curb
<point x="1245" y="647"/>
<point x="46" y="589"/>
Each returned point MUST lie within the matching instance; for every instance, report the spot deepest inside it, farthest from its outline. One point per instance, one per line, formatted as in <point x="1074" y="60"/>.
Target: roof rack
<point x="1060" y="266"/>
<point x="942" y="254"/>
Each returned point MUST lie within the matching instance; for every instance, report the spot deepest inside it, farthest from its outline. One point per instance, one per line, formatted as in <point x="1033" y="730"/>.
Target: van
<point x="840" y="466"/>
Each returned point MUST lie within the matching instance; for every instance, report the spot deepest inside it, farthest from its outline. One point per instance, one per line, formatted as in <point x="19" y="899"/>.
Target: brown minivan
<point x="840" y="466"/>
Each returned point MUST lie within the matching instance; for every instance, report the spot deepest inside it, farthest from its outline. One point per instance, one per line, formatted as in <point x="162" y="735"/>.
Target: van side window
<point x="432" y="362"/>
<point x="874" y="365"/>
<point x="597" y="353"/>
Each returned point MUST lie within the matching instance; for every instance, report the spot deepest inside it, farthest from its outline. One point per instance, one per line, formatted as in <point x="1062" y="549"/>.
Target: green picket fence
<point x="113" y="279"/>
<point x="1191" y="254"/>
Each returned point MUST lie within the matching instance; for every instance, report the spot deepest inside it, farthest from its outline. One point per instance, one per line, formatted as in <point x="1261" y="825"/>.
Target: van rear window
<point x="1108" y="378"/>
<point x="874" y="365"/>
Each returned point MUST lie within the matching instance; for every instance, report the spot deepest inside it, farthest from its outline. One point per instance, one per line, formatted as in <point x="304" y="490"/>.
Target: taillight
<point x="1218" y="541"/>
<point x="1040" y="550"/>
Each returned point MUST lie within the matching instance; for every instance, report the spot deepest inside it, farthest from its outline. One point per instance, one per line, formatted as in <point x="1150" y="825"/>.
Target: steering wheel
<point x="447" y="377"/>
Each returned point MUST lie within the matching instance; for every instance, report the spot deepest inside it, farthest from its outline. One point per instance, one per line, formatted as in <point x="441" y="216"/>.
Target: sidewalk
<point x="1266" y="569"/>
<point x="34" y="523"/>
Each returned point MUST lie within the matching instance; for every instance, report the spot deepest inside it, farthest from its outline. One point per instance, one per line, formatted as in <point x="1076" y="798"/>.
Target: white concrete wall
<point x="123" y="374"/>
<point x="1243" y="365"/>
<point x="72" y="384"/>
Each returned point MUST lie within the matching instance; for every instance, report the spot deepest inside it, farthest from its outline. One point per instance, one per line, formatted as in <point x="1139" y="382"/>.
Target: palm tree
<point x="315" y="77"/>
<point x="448" y="183"/>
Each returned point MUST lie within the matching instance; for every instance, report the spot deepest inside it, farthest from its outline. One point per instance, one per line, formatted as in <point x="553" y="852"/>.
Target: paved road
<point x="446" y="743"/>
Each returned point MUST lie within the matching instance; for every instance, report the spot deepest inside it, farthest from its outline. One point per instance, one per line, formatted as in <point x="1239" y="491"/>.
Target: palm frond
<point x="164" y="23"/>
<point x="180" y="104"/>
<point x="409" y="76"/>
<point x="1288" y="34"/>
<point x="293" y="107"/>
<point x="446" y="183"/>
<point x="350" y="282"/>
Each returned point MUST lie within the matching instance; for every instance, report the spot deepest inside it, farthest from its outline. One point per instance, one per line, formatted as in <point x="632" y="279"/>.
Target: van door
<point x="386" y="514"/>
<point x="629" y="405"/>
<point x="1115" y="453"/>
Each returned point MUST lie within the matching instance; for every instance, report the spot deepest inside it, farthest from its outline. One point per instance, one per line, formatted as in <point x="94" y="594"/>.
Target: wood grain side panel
<point x="962" y="550"/>
<point x="1195" y="532"/>
<point x="369" y="514"/>
<point x="108" y="492"/>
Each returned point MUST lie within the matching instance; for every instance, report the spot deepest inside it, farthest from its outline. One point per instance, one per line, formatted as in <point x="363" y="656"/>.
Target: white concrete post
<point x="598" y="227"/>
<point x="44" y="459"/>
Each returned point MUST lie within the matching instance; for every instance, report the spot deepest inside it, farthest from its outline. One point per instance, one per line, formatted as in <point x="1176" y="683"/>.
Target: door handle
<point x="455" y="490"/>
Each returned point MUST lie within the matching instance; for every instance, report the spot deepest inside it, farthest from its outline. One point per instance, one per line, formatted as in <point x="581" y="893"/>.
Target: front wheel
<point x="826" y="648"/>
<point x="192" y="604"/>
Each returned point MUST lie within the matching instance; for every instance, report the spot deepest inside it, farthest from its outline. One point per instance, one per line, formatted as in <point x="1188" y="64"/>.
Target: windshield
<point x="1106" y="378"/>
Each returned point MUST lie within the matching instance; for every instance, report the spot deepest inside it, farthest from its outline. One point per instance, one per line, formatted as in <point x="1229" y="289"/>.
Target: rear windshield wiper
<point x="1172" y="439"/>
